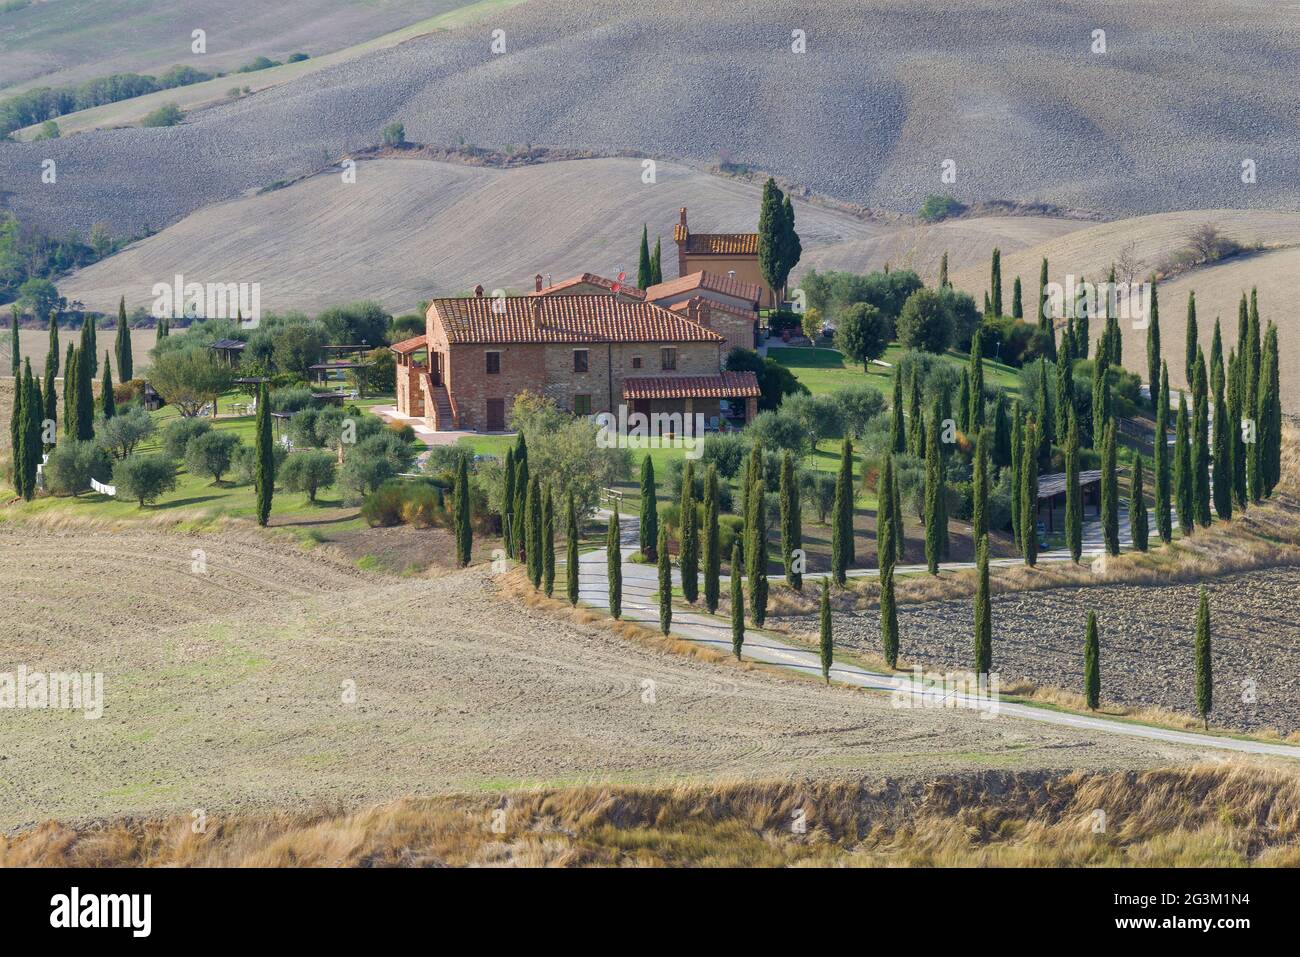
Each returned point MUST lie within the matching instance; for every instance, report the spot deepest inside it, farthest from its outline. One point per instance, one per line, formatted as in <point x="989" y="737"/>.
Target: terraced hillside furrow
<point x="883" y="95"/>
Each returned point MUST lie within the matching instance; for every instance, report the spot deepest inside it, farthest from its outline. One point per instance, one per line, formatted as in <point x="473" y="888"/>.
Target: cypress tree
<point x="980" y="487"/>
<point x="15" y="345"/>
<point x="756" y="555"/>
<point x="665" y="582"/>
<point x="1001" y="433"/>
<point x="842" y="550"/>
<point x="887" y="554"/>
<point x="519" y="524"/>
<point x="548" y="543"/>
<point x="85" y="393"/>
<point x="935" y="526"/>
<point x="70" y="406"/>
<point x="975" y="415"/>
<point x="896" y="507"/>
<point x="1269" y="414"/>
<point x="464" y="529"/>
<point x="1109" y="491"/>
<point x="983" y="610"/>
<point x="1045" y="421"/>
<point x="689" y="559"/>
<point x="51" y="397"/>
<point x="32" y="446"/>
<point x="656" y="263"/>
<point x="897" y="424"/>
<point x="712" y="549"/>
<point x="1164" y="526"/>
<point x="1252" y="352"/>
<point x="164" y="328"/>
<point x="1017" y="447"/>
<point x="91" y="345"/>
<point x="737" y="603"/>
<point x="1092" y="664"/>
<point x="791" y="533"/>
<point x="1222" y="456"/>
<point x="107" y="403"/>
<point x="1183" y="471"/>
<point x="614" y="565"/>
<point x="1029" y="495"/>
<point x="753" y="470"/>
<point x="1216" y="359"/>
<point x="1100" y="401"/>
<point x="52" y="354"/>
<point x="1236" y="412"/>
<point x="1204" y="666"/>
<point x="1137" y="507"/>
<point x="963" y="403"/>
<point x="643" y="267"/>
<point x="508" y="504"/>
<point x="1044" y="313"/>
<point x="1201" y="447"/>
<point x="1191" y="348"/>
<point x="571" y="567"/>
<point x="649" y="509"/>
<point x="1017" y="305"/>
<point x="943" y="271"/>
<point x="264" y="479"/>
<point x="915" y="421"/>
<point x="17" y="430"/>
<point x="122" y="345"/>
<point x="827" y="643"/>
<point x="534" y="516"/>
<point x="1064" y="398"/>
<point x="1153" y="343"/>
<point x="996" y="283"/>
<point x="1073" y="496"/>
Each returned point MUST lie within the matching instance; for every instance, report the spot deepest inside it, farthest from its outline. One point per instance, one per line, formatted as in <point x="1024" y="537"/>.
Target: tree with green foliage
<point x="665" y="582"/>
<point x="1017" y="303"/>
<point x="1101" y="409"/>
<point x="1183" y="498"/>
<point x="975" y="413"/>
<point x="463" y="498"/>
<point x="1092" y="664"/>
<point x="533" y="526"/>
<point x="656" y="263"/>
<point x="995" y="283"/>
<point x="1045" y="421"/>
<point x="983" y="609"/>
<point x="1222" y="490"/>
<point x="737" y="603"/>
<point x="519" y="522"/>
<point x="842" y="544"/>
<point x="1044" y="314"/>
<point x="862" y="334"/>
<point x="122" y="345"/>
<point x="85" y="390"/>
<point x="643" y="269"/>
<point x="1109" y="490"/>
<point x="1029" y="494"/>
<point x="1063" y="398"/>
<point x="712" y="540"/>
<point x="943" y="271"/>
<point x="31" y="448"/>
<point x="886" y="556"/>
<point x="689" y="558"/>
<point x="826" y="643"/>
<point x="70" y="406"/>
<point x="1201" y="444"/>
<point x="963" y="403"/>
<point x="91" y="344"/>
<point x="264" y="476"/>
<point x="980" y="486"/>
<point x="50" y="395"/>
<point x="756" y="555"/>
<point x="1204" y="664"/>
<point x="53" y="352"/>
<point x="307" y="471"/>
<point x="1001" y="452"/>
<point x="508" y="503"/>
<point x="772" y="235"/>
<point x="1192" y="348"/>
<point x="936" y="524"/>
<point x="649" y="509"/>
<point x="1269" y="414"/>
<point x="1017" y="450"/>
<point x="211" y="454"/>
<point x="791" y="530"/>
<point x="145" y="478"/>
<point x="571" y="567"/>
<point x="897" y="421"/>
<point x="189" y="379"/>
<point x="1073" y="493"/>
<point x="108" y="406"/>
<point x="614" y="566"/>
<point x="17" y="425"/>
<point x="15" y="344"/>
<point x="1164" y="525"/>
<point x="1137" y="508"/>
<point x="915" y="421"/>
<point x="1153" y="342"/>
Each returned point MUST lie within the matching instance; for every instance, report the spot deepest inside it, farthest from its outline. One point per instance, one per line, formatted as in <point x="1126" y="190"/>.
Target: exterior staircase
<point x="444" y="419"/>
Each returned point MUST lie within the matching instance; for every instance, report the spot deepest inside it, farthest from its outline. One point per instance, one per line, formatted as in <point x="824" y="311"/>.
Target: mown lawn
<point x="825" y="370"/>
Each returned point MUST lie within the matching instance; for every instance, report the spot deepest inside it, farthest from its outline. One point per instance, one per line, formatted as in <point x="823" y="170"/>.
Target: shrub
<point x="726" y="451"/>
<point x="925" y="323"/>
<point x="858" y="406"/>
<point x="244" y="461"/>
<point x="421" y="504"/>
<point x="394" y="134"/>
<point x="936" y="208"/>
<point x="291" y="400"/>
<point x="783" y="319"/>
<point x="73" y="463"/>
<point x="169" y="114"/>
<point x="176" y="436"/>
<point x="395" y="502"/>
<point x="145" y="478"/>
<point x="302" y="429"/>
<point x="210" y="454"/>
<point x="121" y="434"/>
<point x="308" y="472"/>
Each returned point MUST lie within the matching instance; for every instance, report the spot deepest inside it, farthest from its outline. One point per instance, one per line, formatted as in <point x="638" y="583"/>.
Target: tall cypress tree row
<point x="1270" y="412"/>
<point x="462" y="500"/>
<point x="886" y="556"/>
<point x="17" y="429"/>
<point x="571" y="567"/>
<point x="70" y="405"/>
<point x="1192" y="347"/>
<point x="712" y="547"/>
<point x="1252" y="352"/>
<point x="649" y="509"/>
<point x="1073" y="494"/>
<point x="122" y="345"/>
<point x="842" y="550"/>
<point x="86" y="363"/>
<point x="108" y="404"/>
<point x="826" y="644"/>
<point x="1183" y="500"/>
<point x="737" y="603"/>
<point x="1204" y="665"/>
<point x="519" y="521"/>
<point x="548" y="542"/>
<point x="980" y="486"/>
<point x="264" y="478"/>
<point x="1236" y="412"/>
<point x="1110" y="491"/>
<point x="32" y="447"/>
<point x="1092" y="664"/>
<point x="1153" y="343"/>
<point x="643" y="263"/>
<point x="533" y="514"/>
<point x="1029" y="495"/>
<point x="995" y="285"/>
<point x="665" y="582"/>
<point x="1216" y="359"/>
<point x="1222" y="456"/>
<point x="934" y="489"/>
<point x="791" y="532"/>
<point x="1017" y="447"/>
<point x="1137" y="508"/>
<point x="983" y="609"/>
<point x="1201" y="446"/>
<point x="1064" y="398"/>
<point x="614" y="566"/>
<point x="897" y="422"/>
<point x="508" y="504"/>
<point x="689" y="559"/>
<point x="1164" y="525"/>
<point x="975" y="415"/>
<point x="756" y="555"/>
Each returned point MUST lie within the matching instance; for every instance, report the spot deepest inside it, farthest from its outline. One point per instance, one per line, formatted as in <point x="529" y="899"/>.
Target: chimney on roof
<point x="478" y="291"/>
<point x="537" y="283"/>
<point x="535" y="313"/>
<point x="682" y="217"/>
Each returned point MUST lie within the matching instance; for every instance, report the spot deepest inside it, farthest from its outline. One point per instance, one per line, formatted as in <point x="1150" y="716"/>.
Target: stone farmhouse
<point x="733" y="255"/>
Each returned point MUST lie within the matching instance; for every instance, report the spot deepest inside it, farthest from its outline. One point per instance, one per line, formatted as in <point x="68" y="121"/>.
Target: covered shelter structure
<point x="1051" y="495"/>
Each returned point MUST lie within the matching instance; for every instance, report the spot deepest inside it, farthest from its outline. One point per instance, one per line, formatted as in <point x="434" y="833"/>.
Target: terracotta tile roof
<point x="409" y="345"/>
<point x="724" y="385"/>
<point x="718" y="244"/>
<point x="723" y="285"/>
<point x="591" y="279"/>
<point x="563" y="319"/>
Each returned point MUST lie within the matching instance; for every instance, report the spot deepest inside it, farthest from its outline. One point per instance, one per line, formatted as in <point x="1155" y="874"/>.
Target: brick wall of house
<point x="738" y="330"/>
<point x="471" y="385"/>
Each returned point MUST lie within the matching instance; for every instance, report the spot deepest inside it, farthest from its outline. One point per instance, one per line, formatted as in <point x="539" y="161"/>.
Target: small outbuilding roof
<point x="724" y="385"/>
<point x="1050" y="486"/>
